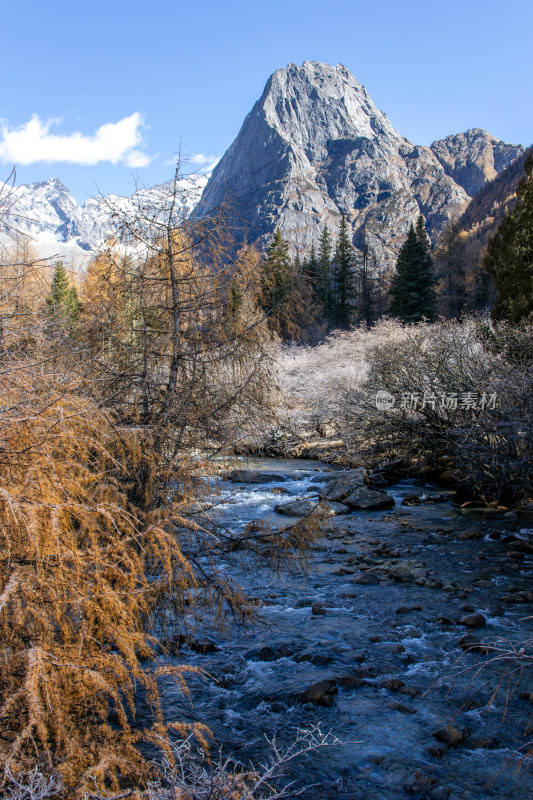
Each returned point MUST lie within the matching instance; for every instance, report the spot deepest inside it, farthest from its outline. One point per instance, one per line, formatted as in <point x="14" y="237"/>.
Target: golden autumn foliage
<point x="81" y="571"/>
<point x="105" y="553"/>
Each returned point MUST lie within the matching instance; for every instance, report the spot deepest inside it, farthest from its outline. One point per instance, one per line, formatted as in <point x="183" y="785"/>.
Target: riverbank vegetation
<point x="456" y="397"/>
<point x="108" y="413"/>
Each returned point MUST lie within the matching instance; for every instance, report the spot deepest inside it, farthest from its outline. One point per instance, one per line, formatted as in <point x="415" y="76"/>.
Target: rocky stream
<point x="380" y="642"/>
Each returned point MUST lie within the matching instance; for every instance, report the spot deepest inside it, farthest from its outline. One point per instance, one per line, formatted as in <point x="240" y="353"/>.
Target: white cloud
<point x="136" y="159"/>
<point x="204" y="163"/>
<point x="115" y="142"/>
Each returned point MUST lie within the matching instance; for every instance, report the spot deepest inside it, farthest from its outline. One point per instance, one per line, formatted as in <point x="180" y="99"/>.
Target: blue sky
<point x="123" y="83"/>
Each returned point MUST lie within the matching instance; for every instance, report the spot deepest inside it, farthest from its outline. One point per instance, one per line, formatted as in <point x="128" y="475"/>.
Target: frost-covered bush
<point x="313" y="380"/>
<point x="452" y="389"/>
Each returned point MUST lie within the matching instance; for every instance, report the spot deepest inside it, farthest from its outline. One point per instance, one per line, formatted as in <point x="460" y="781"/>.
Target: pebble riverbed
<point x="376" y="630"/>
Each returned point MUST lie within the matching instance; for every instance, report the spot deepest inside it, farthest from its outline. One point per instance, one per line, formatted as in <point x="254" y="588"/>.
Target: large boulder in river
<point x="301" y="508"/>
<point x="254" y="476"/>
<point x="297" y="508"/>
<point x="344" y="484"/>
<point x="366" y="498"/>
<point x="407" y="572"/>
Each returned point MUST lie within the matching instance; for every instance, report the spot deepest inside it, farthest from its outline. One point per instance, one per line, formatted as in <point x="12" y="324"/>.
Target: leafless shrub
<point x="186" y="775"/>
<point x="494" y="669"/>
<point x="30" y="786"/>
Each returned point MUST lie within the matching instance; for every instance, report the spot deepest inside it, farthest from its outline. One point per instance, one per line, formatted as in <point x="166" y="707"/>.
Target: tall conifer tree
<point x="344" y="278"/>
<point x="63" y="299"/>
<point x="276" y="273"/>
<point x="324" y="288"/>
<point x="412" y="290"/>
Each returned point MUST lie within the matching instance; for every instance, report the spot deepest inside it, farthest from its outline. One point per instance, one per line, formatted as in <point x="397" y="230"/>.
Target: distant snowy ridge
<point x="56" y="224"/>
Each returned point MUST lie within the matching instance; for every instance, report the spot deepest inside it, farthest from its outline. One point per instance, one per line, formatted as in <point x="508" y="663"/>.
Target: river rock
<point x="449" y="477"/>
<point x="473" y="620"/>
<point x="407" y="572"/>
<point x="340" y="487"/>
<point x="269" y="653"/>
<point x="449" y="736"/>
<point x="388" y="472"/>
<point x="411" y="500"/>
<point x="366" y="580"/>
<point x="321" y="693"/>
<point x="393" y="685"/>
<point x="483" y="743"/>
<point x="301" y="508"/>
<point x="523" y="596"/>
<point x="518" y="545"/>
<point x="471" y="644"/>
<point x="297" y="508"/>
<point x="419" y="783"/>
<point x="337" y="508"/>
<point x="366" y="498"/>
<point x="254" y="476"/>
<point x="317" y="659"/>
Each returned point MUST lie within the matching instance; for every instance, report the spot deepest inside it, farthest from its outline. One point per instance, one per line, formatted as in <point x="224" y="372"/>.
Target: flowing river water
<point x="386" y="644"/>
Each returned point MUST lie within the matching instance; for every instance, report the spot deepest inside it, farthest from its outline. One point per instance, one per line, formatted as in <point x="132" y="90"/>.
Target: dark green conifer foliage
<point x="276" y="275"/>
<point x="344" y="278"/>
<point x="324" y="288"/>
<point x="311" y="266"/>
<point x="235" y="299"/>
<point x="366" y="291"/>
<point x="509" y="256"/>
<point x="412" y="289"/>
<point x="59" y="288"/>
<point x="73" y="305"/>
<point x="63" y="300"/>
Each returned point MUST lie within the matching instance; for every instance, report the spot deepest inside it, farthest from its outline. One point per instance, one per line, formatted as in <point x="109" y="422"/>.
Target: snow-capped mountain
<point x="56" y="224"/>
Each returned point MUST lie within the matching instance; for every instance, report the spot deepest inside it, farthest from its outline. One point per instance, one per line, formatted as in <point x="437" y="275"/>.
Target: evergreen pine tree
<point x="509" y="256"/>
<point x="422" y="235"/>
<point x="276" y="273"/>
<point x="324" y="288"/>
<point x="279" y="291"/>
<point x="310" y="266"/>
<point x="365" y="285"/>
<point x="63" y="299"/>
<point x="344" y="278"/>
<point x="412" y="289"/>
<point x="59" y="289"/>
<point x="73" y="305"/>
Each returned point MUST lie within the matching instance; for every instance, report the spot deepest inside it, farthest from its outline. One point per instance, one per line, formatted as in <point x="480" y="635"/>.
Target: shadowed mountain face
<point x="474" y="157"/>
<point x="315" y="146"/>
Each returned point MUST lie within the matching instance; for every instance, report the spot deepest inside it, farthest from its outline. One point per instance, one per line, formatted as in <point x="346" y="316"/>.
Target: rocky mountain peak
<point x="314" y="146"/>
<point x="315" y="103"/>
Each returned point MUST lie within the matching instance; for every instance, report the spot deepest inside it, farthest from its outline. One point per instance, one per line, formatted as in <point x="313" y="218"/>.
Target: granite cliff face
<point x="315" y="146"/>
